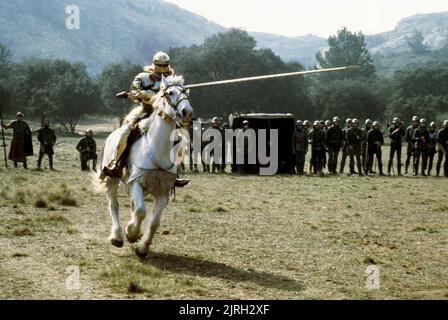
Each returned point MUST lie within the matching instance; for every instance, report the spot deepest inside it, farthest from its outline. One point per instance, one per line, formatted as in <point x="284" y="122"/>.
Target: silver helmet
<point x="161" y="62"/>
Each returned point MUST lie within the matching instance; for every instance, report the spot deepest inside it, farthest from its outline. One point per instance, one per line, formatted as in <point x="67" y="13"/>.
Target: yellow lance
<point x="125" y="94"/>
<point x="272" y="76"/>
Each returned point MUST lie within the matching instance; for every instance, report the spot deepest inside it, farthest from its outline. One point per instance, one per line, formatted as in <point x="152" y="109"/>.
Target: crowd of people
<point x="330" y="144"/>
<point x="22" y="144"/>
<point x="363" y="146"/>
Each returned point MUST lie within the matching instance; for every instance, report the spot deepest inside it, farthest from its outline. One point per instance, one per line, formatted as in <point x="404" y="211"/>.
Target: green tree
<point x="57" y="89"/>
<point x="233" y="54"/>
<point x="349" y="99"/>
<point x="420" y="92"/>
<point x="347" y="49"/>
<point x="113" y="79"/>
<point x="5" y="68"/>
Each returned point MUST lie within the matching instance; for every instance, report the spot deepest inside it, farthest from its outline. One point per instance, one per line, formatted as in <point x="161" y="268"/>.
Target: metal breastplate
<point x="149" y="84"/>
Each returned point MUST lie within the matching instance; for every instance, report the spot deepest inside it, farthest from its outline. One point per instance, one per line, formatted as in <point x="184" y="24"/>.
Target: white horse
<point x="150" y="169"/>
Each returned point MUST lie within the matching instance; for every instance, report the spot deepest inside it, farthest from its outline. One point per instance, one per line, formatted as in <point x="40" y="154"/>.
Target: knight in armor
<point x="144" y="88"/>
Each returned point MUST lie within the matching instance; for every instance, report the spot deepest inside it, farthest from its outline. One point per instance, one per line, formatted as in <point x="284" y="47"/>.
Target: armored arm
<point x="139" y="88"/>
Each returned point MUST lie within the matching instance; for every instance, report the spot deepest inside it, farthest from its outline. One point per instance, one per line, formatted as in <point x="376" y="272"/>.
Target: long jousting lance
<point x="125" y="94"/>
<point x="272" y="76"/>
<point x="3" y="134"/>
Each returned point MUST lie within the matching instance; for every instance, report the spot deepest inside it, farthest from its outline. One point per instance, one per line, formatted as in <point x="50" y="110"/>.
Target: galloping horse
<point x="150" y="168"/>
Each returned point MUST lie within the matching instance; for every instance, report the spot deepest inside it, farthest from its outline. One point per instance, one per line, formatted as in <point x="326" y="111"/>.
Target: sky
<point x="318" y="17"/>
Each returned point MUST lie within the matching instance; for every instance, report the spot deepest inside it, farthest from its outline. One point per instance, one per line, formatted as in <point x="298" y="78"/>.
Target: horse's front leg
<point x="116" y="234"/>
<point x="138" y="213"/>
<point x="142" y="247"/>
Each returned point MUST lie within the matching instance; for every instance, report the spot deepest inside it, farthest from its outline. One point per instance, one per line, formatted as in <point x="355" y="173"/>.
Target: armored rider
<point x="144" y="88"/>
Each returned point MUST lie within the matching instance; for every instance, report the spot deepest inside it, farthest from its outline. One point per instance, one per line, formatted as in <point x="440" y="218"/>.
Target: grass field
<point x="227" y="236"/>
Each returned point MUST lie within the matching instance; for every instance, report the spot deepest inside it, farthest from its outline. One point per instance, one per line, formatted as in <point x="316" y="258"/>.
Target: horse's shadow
<point x="198" y="267"/>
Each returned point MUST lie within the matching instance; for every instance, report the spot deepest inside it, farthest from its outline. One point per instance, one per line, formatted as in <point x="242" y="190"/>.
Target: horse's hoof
<point x="134" y="240"/>
<point x="117" y="243"/>
<point x="139" y="254"/>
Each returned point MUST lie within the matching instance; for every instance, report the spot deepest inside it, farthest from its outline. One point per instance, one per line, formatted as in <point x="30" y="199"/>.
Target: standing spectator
<point x="47" y="139"/>
<point x="317" y="141"/>
<point x="374" y="142"/>
<point x="442" y="141"/>
<point x="345" y="147"/>
<point x="431" y="147"/>
<point x="21" y="144"/>
<point x="396" y="134"/>
<point x="225" y="127"/>
<point x="364" y="156"/>
<point x="334" y="141"/>
<point x="217" y="160"/>
<point x="410" y="139"/>
<point x="87" y="150"/>
<point x="354" y="139"/>
<point x="300" y="147"/>
<point x="421" y="137"/>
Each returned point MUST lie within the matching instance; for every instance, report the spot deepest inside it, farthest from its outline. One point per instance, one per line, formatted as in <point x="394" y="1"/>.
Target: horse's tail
<point x="99" y="185"/>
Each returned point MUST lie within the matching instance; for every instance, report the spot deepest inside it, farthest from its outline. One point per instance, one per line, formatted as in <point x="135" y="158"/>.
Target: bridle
<point x="183" y="95"/>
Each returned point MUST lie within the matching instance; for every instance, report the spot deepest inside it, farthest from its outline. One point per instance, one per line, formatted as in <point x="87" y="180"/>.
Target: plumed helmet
<point x="376" y="123"/>
<point x="299" y="122"/>
<point x="336" y="119"/>
<point x="316" y="123"/>
<point x="433" y="125"/>
<point x="415" y="118"/>
<point x="368" y="122"/>
<point x="161" y="62"/>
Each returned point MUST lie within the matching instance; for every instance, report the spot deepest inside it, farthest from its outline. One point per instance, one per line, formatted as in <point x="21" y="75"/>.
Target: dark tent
<point x="285" y="125"/>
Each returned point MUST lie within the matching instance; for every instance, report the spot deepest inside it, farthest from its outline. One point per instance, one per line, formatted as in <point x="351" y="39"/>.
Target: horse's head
<point x="172" y="90"/>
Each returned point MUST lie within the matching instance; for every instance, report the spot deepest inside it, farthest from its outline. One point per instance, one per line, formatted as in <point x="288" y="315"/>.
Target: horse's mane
<point x="157" y="99"/>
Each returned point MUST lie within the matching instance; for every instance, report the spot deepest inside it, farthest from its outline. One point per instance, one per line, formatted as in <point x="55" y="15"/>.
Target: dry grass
<point x="280" y="237"/>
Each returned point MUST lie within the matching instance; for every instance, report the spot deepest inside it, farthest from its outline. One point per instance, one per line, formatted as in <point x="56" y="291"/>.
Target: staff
<point x="3" y="135"/>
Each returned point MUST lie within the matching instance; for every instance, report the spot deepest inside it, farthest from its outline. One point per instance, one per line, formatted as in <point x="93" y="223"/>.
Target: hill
<point x="114" y="30"/>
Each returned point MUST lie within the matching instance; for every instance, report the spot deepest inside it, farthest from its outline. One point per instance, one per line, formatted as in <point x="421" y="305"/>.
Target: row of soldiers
<point x="328" y="139"/>
<point x="22" y="144"/>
